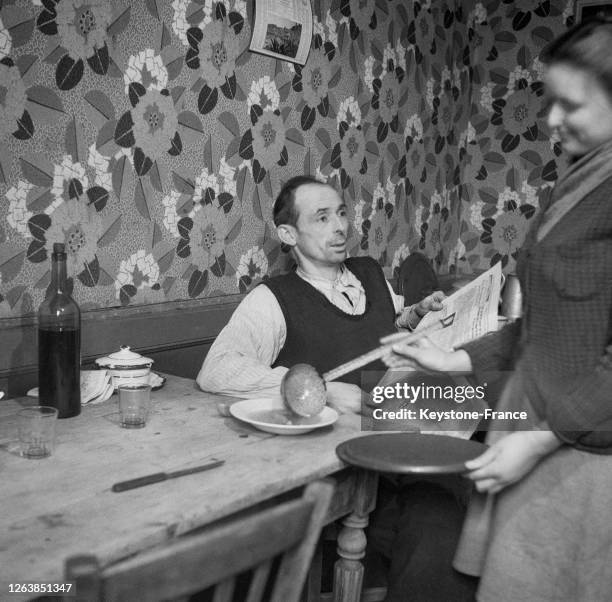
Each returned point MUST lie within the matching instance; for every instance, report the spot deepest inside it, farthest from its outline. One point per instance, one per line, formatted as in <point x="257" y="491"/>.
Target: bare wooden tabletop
<point x="64" y="505"/>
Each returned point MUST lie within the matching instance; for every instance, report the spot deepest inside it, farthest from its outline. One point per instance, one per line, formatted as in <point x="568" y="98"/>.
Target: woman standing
<point x="540" y="526"/>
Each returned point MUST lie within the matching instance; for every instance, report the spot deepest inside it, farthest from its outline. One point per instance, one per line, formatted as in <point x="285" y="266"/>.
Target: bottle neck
<point x="58" y="274"/>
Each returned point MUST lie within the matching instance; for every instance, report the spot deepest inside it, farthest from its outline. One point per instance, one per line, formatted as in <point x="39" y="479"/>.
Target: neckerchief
<point x="582" y="177"/>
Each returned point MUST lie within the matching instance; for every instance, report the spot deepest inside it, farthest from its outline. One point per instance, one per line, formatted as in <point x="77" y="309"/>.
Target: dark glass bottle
<point x="59" y="343"/>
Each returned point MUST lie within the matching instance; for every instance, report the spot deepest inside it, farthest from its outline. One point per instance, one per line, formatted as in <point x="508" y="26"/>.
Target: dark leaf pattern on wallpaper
<point x="197" y="283"/>
<point x="10" y="267"/>
<point x="119" y="21"/>
<point x="153" y="8"/>
<point x="105" y="142"/>
<point x="121" y="176"/>
<point x="37" y="169"/>
<point x="18" y="24"/>
<point x="99" y="107"/>
<point x="74" y="141"/>
<point x="142" y="196"/>
<point x="165" y="261"/>
<point x="98" y="197"/>
<point x="90" y="274"/>
<point x="45" y="102"/>
<point x="110" y="232"/>
<point x="21" y="107"/>
<point x="126" y="293"/>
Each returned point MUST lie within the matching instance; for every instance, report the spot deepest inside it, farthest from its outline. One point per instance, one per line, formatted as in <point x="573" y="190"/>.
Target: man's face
<point x="320" y="234"/>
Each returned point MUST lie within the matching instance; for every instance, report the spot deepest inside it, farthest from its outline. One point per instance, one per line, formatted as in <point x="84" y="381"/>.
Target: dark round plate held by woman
<point x="410" y="453"/>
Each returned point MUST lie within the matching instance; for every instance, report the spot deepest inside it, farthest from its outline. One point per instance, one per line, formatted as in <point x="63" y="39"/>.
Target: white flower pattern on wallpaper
<point x="12" y="99"/>
<point x="69" y="182"/>
<point x="253" y="265"/>
<point x="18" y="213"/>
<point x="146" y="68"/>
<point x="400" y="254"/>
<point x="264" y="94"/>
<point x="100" y="164"/>
<point x="140" y="271"/>
<point x="171" y="216"/>
<point x="358" y="218"/>
<point x="6" y="42"/>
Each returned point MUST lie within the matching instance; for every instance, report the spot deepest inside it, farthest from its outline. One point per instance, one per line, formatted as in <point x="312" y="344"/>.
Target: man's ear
<point x="286" y="233"/>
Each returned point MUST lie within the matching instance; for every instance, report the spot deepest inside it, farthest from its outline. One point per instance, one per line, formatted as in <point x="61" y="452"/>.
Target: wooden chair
<point x="216" y="557"/>
<point x="416" y="278"/>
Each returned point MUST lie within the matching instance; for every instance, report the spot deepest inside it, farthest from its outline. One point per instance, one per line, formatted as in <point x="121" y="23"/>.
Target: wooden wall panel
<point x="176" y="335"/>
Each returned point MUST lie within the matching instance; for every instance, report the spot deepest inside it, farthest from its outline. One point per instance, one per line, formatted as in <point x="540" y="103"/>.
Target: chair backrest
<point x="215" y="557"/>
<point x="416" y="278"/>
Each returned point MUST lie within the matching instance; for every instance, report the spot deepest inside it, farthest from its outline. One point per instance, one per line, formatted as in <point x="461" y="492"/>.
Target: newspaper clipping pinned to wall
<point x="283" y="29"/>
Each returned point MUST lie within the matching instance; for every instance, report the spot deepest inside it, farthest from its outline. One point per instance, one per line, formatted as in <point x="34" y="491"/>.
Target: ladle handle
<point x="375" y="354"/>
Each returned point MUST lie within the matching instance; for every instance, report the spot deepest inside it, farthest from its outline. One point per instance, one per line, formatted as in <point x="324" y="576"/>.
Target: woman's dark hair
<point x="588" y="46"/>
<point x="284" y="211"/>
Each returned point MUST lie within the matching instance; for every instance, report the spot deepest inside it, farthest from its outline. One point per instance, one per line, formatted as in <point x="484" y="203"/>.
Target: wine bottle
<point x="59" y="343"/>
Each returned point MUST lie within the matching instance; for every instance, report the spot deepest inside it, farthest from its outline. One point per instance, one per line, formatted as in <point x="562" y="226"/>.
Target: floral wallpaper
<point x="148" y="138"/>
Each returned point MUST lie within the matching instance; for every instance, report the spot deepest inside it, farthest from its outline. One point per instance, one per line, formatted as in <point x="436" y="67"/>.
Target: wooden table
<point x="64" y="505"/>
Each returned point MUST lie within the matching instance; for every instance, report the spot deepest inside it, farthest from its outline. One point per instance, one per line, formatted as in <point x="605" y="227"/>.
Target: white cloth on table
<point x="239" y="361"/>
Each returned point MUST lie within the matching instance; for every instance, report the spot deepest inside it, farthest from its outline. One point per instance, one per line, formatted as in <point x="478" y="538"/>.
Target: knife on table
<point x="164" y="476"/>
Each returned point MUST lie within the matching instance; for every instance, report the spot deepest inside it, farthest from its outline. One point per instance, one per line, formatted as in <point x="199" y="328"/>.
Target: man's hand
<point x="344" y="397"/>
<point x="510" y="459"/>
<point x="411" y="316"/>
<point x="432" y="302"/>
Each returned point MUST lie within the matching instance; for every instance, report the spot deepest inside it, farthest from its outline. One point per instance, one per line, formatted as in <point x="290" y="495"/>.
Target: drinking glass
<point x="37" y="431"/>
<point x="134" y="404"/>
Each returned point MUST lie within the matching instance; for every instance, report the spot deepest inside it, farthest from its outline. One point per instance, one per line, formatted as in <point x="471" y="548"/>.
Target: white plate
<point x="270" y="415"/>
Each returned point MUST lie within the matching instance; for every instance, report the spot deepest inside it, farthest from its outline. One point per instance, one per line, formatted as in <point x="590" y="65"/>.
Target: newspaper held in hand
<point x="475" y="306"/>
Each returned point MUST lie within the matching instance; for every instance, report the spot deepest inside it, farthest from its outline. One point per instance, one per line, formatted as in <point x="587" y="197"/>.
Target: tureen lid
<point x="124" y="357"/>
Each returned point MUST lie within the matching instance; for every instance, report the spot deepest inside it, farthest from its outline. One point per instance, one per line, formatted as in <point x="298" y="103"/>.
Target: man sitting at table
<point x="327" y="311"/>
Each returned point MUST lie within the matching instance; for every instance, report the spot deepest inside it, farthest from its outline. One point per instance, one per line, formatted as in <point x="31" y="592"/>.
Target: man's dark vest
<point x="321" y="334"/>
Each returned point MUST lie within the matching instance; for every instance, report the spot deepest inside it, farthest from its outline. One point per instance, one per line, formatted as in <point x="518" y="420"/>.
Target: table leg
<point x="348" y="570"/>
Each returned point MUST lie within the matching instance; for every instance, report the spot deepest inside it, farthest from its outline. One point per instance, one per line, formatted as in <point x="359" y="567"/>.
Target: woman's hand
<point x="344" y="397"/>
<point x="510" y="459"/>
<point x="425" y="355"/>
